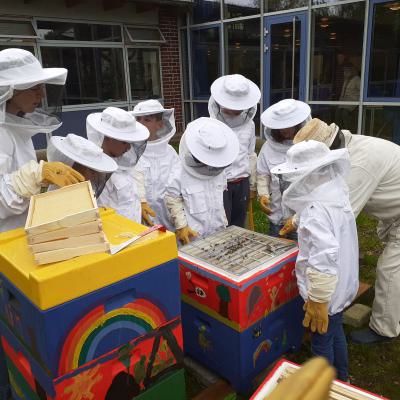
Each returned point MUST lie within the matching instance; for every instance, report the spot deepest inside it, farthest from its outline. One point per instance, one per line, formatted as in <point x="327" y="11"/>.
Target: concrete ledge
<point x="201" y="373"/>
<point x="357" y="315"/>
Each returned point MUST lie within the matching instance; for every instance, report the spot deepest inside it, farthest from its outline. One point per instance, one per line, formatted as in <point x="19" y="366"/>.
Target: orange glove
<point x="147" y="212"/>
<point x="185" y="235"/>
<point x="264" y="203"/>
<point x="316" y="316"/>
<point x="60" y="174"/>
<point x="289" y="227"/>
<point x="311" y="382"/>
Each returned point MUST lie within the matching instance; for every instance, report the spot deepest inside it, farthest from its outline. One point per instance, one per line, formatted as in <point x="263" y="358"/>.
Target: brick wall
<point x="170" y="63"/>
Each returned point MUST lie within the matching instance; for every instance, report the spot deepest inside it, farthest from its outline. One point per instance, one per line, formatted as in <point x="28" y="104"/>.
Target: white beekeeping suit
<point x="374" y="186"/>
<point x="20" y="175"/>
<point x="194" y="196"/>
<point x="158" y="162"/>
<point x="121" y="191"/>
<point x="288" y="114"/>
<point x="327" y="264"/>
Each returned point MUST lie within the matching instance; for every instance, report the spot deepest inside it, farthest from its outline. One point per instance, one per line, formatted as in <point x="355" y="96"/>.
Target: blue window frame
<point x="206" y="60"/>
<point x="279" y="82"/>
<point x="382" y="63"/>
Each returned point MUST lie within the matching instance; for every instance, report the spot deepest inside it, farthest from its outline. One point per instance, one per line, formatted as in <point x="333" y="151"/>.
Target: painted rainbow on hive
<point x="80" y="346"/>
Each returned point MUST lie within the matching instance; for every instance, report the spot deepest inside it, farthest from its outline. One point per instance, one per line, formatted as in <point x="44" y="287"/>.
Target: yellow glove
<point x="185" y="235"/>
<point x="289" y="227"/>
<point x="264" y="203"/>
<point x="60" y="174"/>
<point x="316" y="316"/>
<point x="253" y="194"/>
<point x="311" y="382"/>
<point x="147" y="212"/>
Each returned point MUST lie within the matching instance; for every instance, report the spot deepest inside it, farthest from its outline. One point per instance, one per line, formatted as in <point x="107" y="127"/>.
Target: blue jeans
<point x="274" y="231"/>
<point x="333" y="346"/>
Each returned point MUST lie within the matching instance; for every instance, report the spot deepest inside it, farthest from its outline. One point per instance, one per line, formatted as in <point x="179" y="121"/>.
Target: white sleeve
<point x="11" y="203"/>
<point x="263" y="175"/>
<point x="253" y="171"/>
<point x="174" y="201"/>
<point x="361" y="186"/>
<point x="138" y="174"/>
<point x="316" y="235"/>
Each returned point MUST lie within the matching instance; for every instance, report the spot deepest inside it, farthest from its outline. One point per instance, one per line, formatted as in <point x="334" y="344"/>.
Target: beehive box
<point x="241" y="308"/>
<point x="238" y="276"/>
<point x="147" y="368"/>
<point x="339" y="389"/>
<point x="69" y="313"/>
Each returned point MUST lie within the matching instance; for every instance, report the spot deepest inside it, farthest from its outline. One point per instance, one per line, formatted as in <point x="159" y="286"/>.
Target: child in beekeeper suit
<point x="281" y="121"/>
<point x="157" y="162"/>
<point x="194" y="195"/>
<point x="124" y="139"/>
<point x="233" y="101"/>
<point x="327" y="263"/>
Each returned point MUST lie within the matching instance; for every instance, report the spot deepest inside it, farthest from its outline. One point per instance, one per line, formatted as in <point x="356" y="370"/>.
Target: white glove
<point x="263" y="184"/>
<point x="253" y="172"/>
<point x="321" y="285"/>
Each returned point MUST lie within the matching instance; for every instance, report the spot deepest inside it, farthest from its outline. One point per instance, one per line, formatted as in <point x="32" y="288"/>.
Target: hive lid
<point x="54" y="284"/>
<point x="237" y="253"/>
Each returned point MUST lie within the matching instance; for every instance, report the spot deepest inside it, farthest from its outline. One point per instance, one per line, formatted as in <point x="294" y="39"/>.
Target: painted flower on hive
<point x="81" y="387"/>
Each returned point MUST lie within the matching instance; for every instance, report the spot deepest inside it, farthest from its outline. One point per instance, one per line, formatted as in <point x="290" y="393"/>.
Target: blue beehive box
<point x="241" y="309"/>
<point x="66" y="314"/>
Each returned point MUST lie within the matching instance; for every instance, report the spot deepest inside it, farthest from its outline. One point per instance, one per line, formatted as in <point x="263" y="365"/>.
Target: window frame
<point x="149" y="28"/>
<point x="132" y="101"/>
<point x="368" y="57"/>
<point x="31" y="21"/>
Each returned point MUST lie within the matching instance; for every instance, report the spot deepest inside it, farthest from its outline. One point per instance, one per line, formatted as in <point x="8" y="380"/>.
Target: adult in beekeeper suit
<point x="22" y="87"/>
<point x="22" y="81"/>
<point x="374" y="184"/>
<point x="85" y="157"/>
<point x="158" y="161"/>
<point x="124" y="139"/>
<point x="233" y="101"/>
<point x="327" y="263"/>
<point x="282" y="121"/>
<point x="194" y="196"/>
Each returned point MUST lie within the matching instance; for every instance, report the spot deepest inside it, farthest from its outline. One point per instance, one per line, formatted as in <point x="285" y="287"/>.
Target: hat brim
<point x="54" y="76"/>
<point x="151" y="112"/>
<point x="226" y="100"/>
<point x="105" y="164"/>
<point x="269" y="120"/>
<point x="139" y="134"/>
<point x="334" y="156"/>
<point x="220" y="158"/>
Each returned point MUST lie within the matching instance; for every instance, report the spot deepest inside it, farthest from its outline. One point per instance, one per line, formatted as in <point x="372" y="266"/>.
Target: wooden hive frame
<point x="63" y="208"/>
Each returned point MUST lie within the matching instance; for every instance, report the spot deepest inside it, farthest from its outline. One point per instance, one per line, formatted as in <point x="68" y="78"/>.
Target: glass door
<point x="285" y="38"/>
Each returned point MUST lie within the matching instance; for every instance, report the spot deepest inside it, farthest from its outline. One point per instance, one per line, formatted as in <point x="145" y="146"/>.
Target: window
<point x="384" y="59"/>
<point x="243" y="48"/>
<point x="280" y="5"/>
<point x="95" y="75"/>
<point x="200" y="110"/>
<point x="206" y="11"/>
<point x="382" y="122"/>
<point x="144" y="73"/>
<point x="143" y="34"/>
<point x="185" y="64"/>
<point x="336" y="53"/>
<point x="346" y="117"/>
<point x="206" y="62"/>
<point x="241" y="8"/>
<point x="17" y="29"/>
<point x="55" y="30"/>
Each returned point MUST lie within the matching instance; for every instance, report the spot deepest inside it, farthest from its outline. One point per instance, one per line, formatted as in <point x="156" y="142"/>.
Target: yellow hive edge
<point x="54" y="284"/>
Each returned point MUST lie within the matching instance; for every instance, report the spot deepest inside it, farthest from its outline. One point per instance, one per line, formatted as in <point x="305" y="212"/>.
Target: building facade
<point x="117" y="52"/>
<point x="341" y="57"/>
